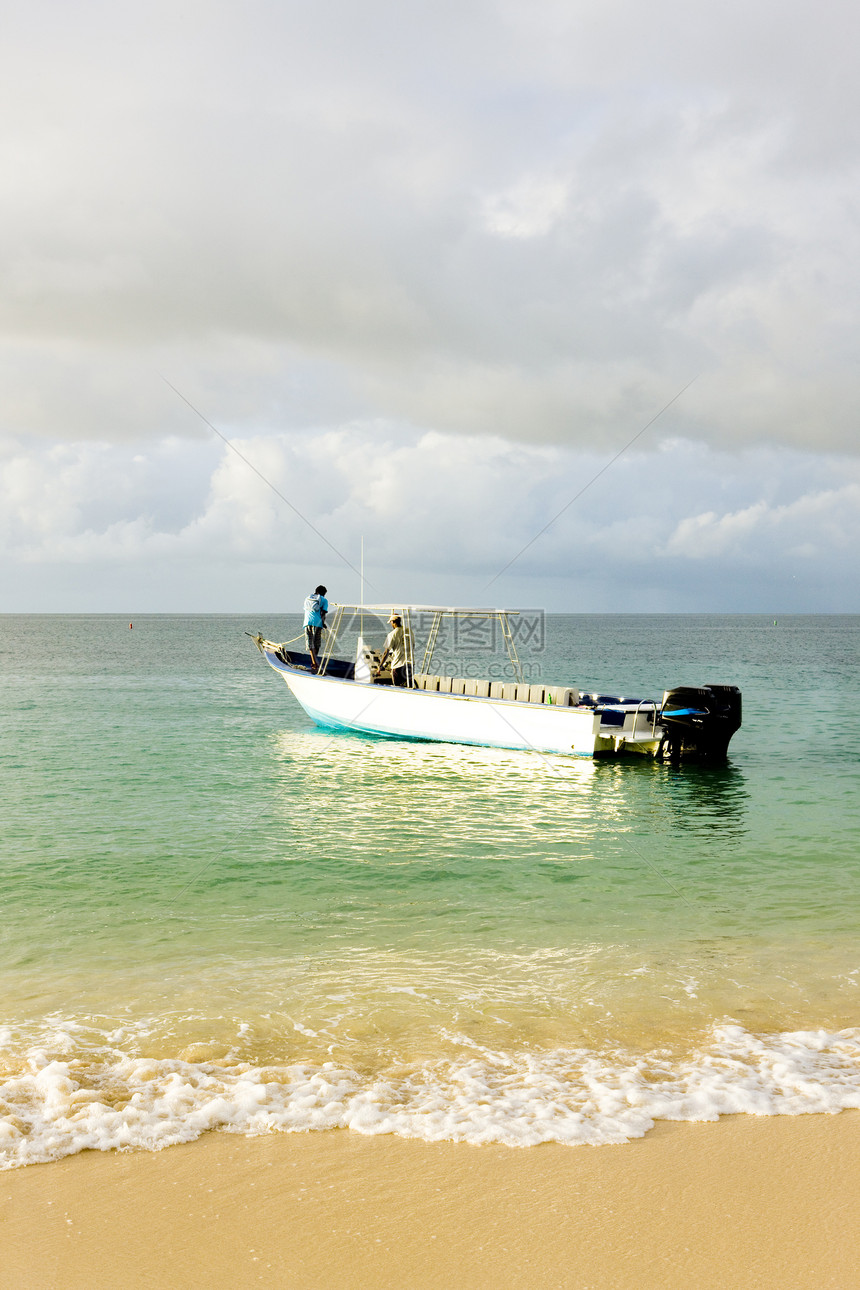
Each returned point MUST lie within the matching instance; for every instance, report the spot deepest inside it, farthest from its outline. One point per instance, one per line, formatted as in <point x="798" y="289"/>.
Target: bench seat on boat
<point x="517" y="692"/>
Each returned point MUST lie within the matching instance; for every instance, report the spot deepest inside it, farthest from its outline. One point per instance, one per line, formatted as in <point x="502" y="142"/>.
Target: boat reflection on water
<point x="695" y="800"/>
<point x="429" y="795"/>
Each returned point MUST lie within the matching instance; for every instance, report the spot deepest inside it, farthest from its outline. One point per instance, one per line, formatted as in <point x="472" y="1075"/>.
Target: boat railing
<point x="621" y="714"/>
<point x="330" y="639"/>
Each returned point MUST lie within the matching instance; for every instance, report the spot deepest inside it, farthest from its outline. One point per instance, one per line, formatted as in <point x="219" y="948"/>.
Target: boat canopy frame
<point x="407" y="613"/>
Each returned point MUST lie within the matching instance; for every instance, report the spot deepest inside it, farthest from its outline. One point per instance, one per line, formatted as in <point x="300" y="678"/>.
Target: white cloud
<point x="530" y="208"/>
<point x="820" y="525"/>
<point x="682" y="527"/>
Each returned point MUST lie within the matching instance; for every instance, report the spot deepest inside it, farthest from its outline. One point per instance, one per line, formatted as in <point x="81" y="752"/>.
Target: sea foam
<point x="53" y="1107"/>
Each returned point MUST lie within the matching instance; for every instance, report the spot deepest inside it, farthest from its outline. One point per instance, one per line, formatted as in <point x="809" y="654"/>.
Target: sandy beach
<point x="739" y="1203"/>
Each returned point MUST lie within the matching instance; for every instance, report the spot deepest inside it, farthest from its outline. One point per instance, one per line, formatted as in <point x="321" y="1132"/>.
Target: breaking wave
<point x="55" y="1105"/>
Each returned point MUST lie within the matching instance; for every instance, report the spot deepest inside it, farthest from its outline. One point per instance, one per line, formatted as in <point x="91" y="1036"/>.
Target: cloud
<point x="431" y="267"/>
<point x="439" y="510"/>
<point x="820" y="525"/>
<point x="531" y="208"/>
<point x="534" y="222"/>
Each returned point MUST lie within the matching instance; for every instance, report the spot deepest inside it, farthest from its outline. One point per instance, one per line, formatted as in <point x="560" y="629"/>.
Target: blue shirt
<point x="315" y="607"/>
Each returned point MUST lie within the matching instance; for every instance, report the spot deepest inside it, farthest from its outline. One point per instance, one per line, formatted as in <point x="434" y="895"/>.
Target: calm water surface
<point x="216" y="915"/>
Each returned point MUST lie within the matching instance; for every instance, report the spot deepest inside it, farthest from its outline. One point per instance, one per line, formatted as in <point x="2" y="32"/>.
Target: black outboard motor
<point x="699" y="721"/>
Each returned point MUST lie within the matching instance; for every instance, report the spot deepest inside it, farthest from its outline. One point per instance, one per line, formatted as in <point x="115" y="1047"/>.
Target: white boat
<point x="688" y="722"/>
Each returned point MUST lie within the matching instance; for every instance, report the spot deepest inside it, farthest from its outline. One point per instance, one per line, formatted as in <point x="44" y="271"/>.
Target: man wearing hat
<point x="396" y="645"/>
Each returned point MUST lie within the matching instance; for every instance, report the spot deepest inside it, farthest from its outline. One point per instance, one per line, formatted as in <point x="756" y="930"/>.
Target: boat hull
<point x="454" y="718"/>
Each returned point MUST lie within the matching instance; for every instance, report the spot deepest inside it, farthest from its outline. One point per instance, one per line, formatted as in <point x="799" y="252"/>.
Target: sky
<point x="547" y="303"/>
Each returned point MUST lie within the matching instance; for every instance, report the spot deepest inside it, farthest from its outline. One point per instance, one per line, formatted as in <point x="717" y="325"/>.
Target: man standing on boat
<point x="397" y="646"/>
<point x="316" y="608"/>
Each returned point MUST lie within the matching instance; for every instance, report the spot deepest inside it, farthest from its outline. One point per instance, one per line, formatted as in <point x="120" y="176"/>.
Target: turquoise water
<point x="216" y="915"/>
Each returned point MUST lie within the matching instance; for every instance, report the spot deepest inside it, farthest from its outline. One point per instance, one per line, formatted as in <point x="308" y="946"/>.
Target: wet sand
<point x="745" y="1202"/>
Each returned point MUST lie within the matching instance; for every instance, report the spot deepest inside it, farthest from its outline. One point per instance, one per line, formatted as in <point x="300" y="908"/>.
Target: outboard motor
<point x="699" y="721"/>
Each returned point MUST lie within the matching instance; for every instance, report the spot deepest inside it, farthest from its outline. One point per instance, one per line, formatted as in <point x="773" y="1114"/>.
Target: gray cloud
<point x="529" y="221"/>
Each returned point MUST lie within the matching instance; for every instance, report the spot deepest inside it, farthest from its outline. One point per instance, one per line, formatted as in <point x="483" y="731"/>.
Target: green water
<point x="193" y="873"/>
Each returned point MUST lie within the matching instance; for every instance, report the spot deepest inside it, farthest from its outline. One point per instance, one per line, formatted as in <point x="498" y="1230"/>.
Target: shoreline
<point x="744" y="1201"/>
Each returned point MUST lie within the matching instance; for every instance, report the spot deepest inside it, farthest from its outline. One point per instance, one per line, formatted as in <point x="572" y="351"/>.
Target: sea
<point x="217" y="916"/>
